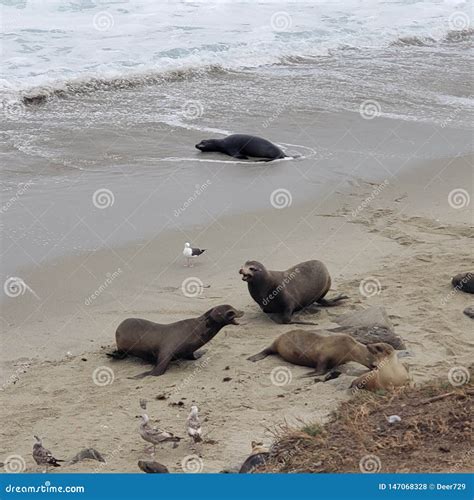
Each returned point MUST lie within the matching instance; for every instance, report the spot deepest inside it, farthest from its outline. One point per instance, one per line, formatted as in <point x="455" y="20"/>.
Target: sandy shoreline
<point x="403" y="234"/>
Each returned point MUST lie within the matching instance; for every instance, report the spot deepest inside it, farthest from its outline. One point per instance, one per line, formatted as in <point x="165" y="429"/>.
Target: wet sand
<point x="402" y="235"/>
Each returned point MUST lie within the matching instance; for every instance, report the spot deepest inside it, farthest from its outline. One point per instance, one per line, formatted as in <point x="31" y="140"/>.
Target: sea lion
<point x="257" y="458"/>
<point x="161" y="343"/>
<point x="283" y="292"/>
<point x="389" y="373"/>
<point x="242" y="146"/>
<point x="323" y="352"/>
<point x="464" y="282"/>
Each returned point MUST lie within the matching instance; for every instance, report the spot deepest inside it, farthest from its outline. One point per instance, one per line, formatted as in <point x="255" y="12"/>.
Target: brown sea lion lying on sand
<point x="323" y="352"/>
<point x="284" y="292"/>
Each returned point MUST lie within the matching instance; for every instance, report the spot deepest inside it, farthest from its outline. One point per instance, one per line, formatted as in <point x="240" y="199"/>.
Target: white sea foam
<point x="52" y="42"/>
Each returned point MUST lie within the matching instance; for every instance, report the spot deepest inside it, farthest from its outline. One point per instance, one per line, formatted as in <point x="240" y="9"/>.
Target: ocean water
<point x="112" y="95"/>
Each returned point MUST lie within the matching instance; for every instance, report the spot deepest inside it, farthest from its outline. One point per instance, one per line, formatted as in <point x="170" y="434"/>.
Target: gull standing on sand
<point x="193" y="425"/>
<point x="154" y="435"/>
<point x="189" y="252"/>
<point x="43" y="456"/>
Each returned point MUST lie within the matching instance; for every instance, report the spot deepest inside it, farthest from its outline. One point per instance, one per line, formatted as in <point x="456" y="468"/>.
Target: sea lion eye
<point x="253" y="269"/>
<point x="230" y="314"/>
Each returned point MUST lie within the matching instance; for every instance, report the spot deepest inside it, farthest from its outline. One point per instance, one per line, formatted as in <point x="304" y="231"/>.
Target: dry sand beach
<point x="394" y="244"/>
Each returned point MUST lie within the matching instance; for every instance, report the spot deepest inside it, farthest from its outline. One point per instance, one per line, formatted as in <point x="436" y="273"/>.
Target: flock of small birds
<point x="154" y="435"/>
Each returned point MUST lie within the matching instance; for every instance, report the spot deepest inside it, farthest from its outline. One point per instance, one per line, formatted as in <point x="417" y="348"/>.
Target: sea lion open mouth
<point x="238" y="314"/>
<point x="245" y="275"/>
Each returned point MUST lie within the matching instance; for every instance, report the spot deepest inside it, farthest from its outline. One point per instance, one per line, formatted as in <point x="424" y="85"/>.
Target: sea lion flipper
<point x="117" y="355"/>
<point x="332" y="302"/>
<point x="240" y="156"/>
<point x="195" y="355"/>
<point x="261" y="355"/>
<point x="314" y="373"/>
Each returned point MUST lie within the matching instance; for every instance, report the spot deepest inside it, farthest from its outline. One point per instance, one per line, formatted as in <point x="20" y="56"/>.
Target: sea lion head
<point x="207" y="145"/>
<point x="378" y="352"/>
<point x="225" y="315"/>
<point x="251" y="270"/>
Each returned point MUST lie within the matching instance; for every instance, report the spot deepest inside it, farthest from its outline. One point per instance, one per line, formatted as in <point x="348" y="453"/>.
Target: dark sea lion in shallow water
<point x="464" y="282"/>
<point x="323" y="352"/>
<point x="283" y="292"/>
<point x="242" y="146"/>
<point x="161" y="343"/>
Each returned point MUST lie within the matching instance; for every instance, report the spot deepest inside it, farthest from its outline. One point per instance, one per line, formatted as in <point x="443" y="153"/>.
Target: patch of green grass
<point x="312" y="429"/>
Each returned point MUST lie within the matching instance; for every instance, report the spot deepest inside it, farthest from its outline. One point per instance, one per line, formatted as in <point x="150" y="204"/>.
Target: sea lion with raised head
<point x="161" y="343"/>
<point x="242" y="146"/>
<point x="464" y="282"/>
<point x="323" y="352"/>
<point x="390" y="372"/>
<point x="281" y="293"/>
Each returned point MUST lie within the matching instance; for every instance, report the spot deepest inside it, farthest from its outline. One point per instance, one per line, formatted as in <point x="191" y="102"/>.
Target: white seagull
<point x="189" y="252"/>
<point x="193" y="425"/>
<point x="154" y="435"/>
